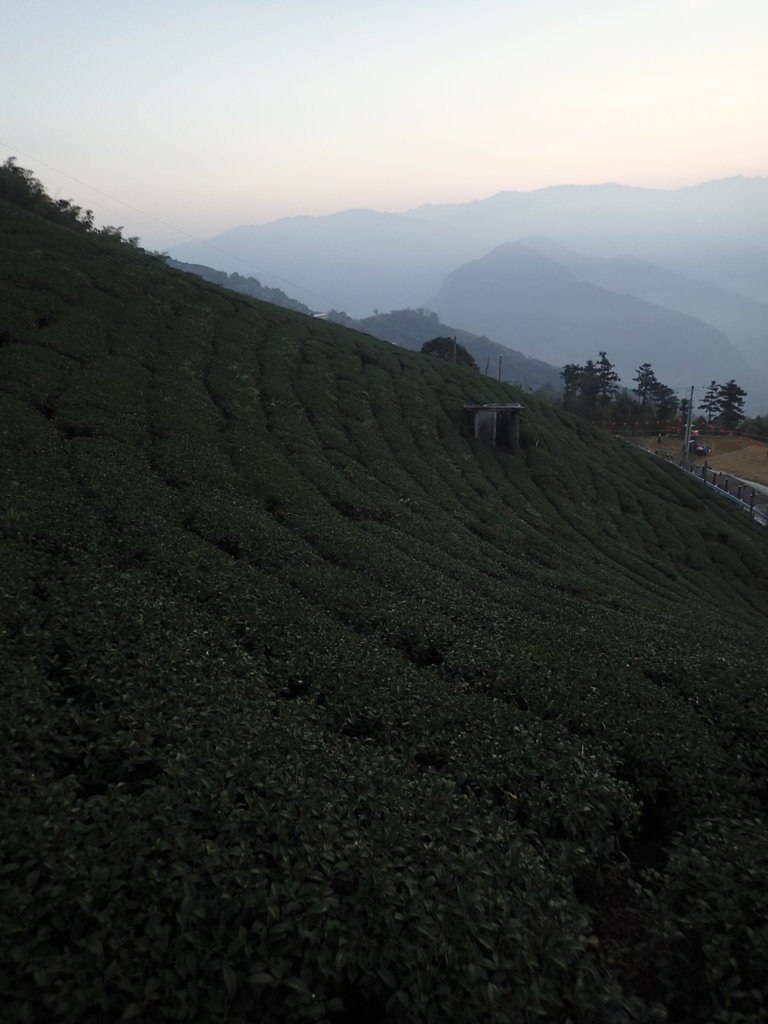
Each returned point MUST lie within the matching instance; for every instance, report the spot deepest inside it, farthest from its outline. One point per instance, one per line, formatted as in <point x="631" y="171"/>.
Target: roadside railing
<point x="739" y="493"/>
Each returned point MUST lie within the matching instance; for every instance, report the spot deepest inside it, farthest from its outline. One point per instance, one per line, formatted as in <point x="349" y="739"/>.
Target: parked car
<point x="698" y="449"/>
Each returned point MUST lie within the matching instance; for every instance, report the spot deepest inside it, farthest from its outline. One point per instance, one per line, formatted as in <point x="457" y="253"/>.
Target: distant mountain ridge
<point x="743" y="319"/>
<point x="359" y="260"/>
<point x="530" y="301"/>
<point x="699" y="252"/>
<point x="410" y="328"/>
<point x="717" y="230"/>
<point x="356" y="260"/>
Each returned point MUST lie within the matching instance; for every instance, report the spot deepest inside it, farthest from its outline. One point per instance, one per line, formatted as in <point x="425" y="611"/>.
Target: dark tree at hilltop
<point x="591" y="386"/>
<point x="581" y="387"/>
<point x="646" y="381"/>
<point x="607" y="380"/>
<point x="710" y="404"/>
<point x="571" y="374"/>
<point x="449" y="350"/>
<point x="578" y="386"/>
<point x="666" y="401"/>
<point x="731" y="398"/>
<point x="594" y="390"/>
<point x="20" y="187"/>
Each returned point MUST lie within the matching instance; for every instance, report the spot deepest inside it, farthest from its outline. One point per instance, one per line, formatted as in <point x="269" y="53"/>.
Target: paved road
<point x="729" y="485"/>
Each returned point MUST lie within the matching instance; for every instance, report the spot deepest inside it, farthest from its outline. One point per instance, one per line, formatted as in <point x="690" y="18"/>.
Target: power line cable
<point x="172" y="227"/>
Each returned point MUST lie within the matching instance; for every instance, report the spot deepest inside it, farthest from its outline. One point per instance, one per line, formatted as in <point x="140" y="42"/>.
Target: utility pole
<point x="688" y="427"/>
<point x="499" y="367"/>
<point x="454" y="349"/>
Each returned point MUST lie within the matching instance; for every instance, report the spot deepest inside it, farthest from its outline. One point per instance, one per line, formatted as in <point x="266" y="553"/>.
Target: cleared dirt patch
<point x="737" y="456"/>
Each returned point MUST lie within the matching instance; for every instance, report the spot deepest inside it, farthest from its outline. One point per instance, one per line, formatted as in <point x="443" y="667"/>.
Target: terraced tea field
<point x="314" y="708"/>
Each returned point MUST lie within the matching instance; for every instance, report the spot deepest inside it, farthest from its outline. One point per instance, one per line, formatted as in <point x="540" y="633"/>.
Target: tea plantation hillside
<point x="316" y="709"/>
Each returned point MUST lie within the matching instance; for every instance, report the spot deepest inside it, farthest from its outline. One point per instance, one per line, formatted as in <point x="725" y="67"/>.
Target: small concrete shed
<point x="497" y="422"/>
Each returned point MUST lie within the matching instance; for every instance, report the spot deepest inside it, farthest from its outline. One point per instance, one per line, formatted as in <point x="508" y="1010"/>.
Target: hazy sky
<point x="212" y="113"/>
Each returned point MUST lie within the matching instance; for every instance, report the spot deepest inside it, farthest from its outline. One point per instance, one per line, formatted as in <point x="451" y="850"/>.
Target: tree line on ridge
<point x="593" y="389"/>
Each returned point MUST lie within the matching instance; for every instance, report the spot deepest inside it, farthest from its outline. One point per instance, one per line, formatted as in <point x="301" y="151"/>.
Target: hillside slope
<point x="237" y="282"/>
<point x="411" y="328"/>
<point x="314" y="708"/>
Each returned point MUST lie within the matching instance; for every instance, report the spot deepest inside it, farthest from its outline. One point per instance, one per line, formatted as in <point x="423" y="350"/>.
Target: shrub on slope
<point x="316" y="709"/>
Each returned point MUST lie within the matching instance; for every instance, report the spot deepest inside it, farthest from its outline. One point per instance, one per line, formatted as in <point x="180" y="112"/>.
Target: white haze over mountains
<point x="677" y="278"/>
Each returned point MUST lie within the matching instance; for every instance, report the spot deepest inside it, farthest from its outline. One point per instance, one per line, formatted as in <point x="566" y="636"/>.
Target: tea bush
<point x="316" y="708"/>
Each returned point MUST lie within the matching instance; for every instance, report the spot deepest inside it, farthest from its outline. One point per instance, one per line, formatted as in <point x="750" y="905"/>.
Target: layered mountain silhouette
<point x="355" y="261"/>
<point x="717" y="230"/>
<point x="527" y="300"/>
<point x="360" y="260"/>
<point x="678" y="278"/>
<point x="744" y="320"/>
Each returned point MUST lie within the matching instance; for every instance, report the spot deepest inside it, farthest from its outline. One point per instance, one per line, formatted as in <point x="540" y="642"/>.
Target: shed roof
<point x="495" y="407"/>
